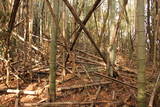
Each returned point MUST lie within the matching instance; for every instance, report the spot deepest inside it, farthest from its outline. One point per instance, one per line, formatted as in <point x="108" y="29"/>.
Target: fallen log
<point x="37" y="92"/>
<point x="71" y="103"/>
<point x="16" y="91"/>
<point x="82" y="86"/>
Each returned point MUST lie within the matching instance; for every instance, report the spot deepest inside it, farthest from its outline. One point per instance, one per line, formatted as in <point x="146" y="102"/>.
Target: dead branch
<point x="89" y="63"/>
<point x="90" y="60"/>
<point x="16" y="91"/>
<point x="154" y="92"/>
<point x="33" y="47"/>
<point x="87" y="73"/>
<point x="89" y="54"/>
<point x="71" y="103"/>
<point x="116" y="80"/>
<point x="83" y="86"/>
<point x="96" y="96"/>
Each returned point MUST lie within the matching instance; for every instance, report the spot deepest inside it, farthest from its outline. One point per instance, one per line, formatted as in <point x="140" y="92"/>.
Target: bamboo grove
<point x="51" y="42"/>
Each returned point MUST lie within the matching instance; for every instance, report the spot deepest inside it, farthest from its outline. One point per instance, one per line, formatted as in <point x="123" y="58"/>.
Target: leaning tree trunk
<point x="140" y="52"/>
<point x="8" y="36"/>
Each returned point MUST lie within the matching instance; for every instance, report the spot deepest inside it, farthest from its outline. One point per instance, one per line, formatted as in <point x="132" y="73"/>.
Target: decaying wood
<point x="71" y="103"/>
<point x="83" y="86"/>
<point x="87" y="74"/>
<point x="89" y="63"/>
<point x="118" y="81"/>
<point x="15" y="91"/>
<point x="32" y="46"/>
<point x="126" y="69"/>
<point x="12" y="69"/>
<point x="154" y="92"/>
<point x="90" y="60"/>
<point x="68" y="79"/>
<point x="65" y="68"/>
<point x="96" y="96"/>
<point x="90" y="55"/>
<point x="37" y="49"/>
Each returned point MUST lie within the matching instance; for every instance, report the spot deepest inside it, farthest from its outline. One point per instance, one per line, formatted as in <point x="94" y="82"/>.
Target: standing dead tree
<point x="9" y="31"/>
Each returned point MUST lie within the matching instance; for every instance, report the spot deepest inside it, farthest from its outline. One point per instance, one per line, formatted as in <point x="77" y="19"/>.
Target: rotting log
<point x="83" y="86"/>
<point x="16" y="91"/>
<point x="71" y="103"/>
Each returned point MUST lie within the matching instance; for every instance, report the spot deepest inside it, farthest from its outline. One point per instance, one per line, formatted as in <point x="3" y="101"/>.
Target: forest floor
<point x="91" y="88"/>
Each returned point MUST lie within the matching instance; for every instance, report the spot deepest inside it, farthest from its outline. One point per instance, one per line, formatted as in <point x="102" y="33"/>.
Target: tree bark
<point x="141" y="52"/>
<point x="53" y="49"/>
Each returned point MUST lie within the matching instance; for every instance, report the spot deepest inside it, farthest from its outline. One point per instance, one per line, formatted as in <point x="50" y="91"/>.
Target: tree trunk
<point x="9" y="31"/>
<point x="141" y="52"/>
<point x="53" y="50"/>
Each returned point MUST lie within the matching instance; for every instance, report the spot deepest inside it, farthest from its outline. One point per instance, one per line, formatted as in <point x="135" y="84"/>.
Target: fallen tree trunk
<point x="71" y="103"/>
<point x="16" y="91"/>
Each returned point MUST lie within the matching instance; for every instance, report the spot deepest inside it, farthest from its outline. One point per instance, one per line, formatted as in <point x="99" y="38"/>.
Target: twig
<point x="65" y="80"/>
<point x="65" y="68"/>
<point x="89" y="63"/>
<point x="13" y="91"/>
<point x="20" y="22"/>
<point x="97" y="93"/>
<point x="87" y="73"/>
